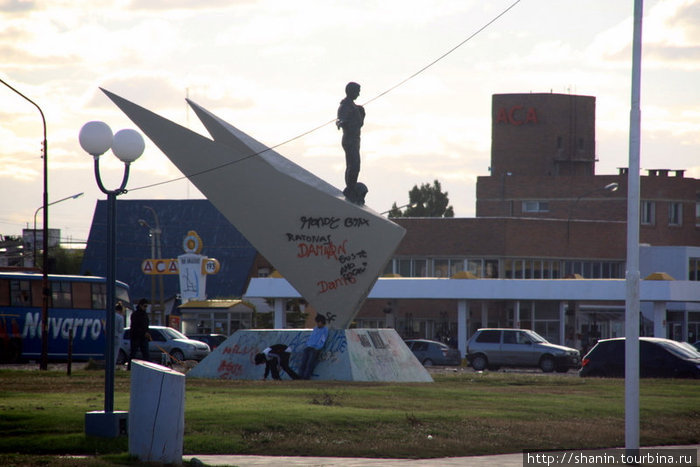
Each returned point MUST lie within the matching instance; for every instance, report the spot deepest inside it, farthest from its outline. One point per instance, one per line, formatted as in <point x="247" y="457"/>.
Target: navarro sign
<point x="516" y="115"/>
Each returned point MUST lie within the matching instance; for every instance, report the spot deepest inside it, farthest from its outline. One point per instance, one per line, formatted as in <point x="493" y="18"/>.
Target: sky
<point x="278" y="69"/>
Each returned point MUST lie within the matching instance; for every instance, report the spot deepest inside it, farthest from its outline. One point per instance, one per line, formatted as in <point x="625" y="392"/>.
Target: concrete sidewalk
<point x="504" y="460"/>
<point x="501" y="460"/>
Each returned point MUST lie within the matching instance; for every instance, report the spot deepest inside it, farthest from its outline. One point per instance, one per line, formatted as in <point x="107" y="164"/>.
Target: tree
<point x="426" y="201"/>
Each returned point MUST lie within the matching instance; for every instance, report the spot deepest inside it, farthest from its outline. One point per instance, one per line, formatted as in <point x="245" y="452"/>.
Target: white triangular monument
<point x="329" y="249"/>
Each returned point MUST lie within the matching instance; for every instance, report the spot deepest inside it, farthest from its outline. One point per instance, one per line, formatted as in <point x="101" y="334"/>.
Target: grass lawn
<point x="42" y="414"/>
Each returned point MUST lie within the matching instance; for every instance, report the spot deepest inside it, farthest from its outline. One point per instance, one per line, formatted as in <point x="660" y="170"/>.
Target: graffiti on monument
<point x="323" y="237"/>
<point x="238" y="356"/>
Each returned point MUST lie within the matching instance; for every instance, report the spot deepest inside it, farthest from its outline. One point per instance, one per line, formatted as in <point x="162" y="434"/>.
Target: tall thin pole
<point x="632" y="274"/>
<point x="45" y="291"/>
<point x="111" y="275"/>
<point x="111" y="278"/>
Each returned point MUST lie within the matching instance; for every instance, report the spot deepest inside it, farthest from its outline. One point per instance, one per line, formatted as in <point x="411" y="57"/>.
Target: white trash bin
<point x="156" y="413"/>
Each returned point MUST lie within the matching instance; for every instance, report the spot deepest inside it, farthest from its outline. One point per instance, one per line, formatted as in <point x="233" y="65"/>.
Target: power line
<point x="382" y="94"/>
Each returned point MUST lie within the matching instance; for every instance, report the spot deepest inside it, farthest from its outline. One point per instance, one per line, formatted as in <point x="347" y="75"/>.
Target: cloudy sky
<point x="277" y="69"/>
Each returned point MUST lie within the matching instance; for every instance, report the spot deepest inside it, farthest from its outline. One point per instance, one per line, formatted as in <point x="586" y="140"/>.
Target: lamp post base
<point x="106" y="424"/>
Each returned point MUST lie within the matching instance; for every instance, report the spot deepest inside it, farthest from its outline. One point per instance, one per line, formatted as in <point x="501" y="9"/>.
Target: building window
<point x="263" y="272"/>
<point x="389" y="269"/>
<point x="456" y="265"/>
<point x="694" y="269"/>
<point x="404" y="267"/>
<point x="441" y="268"/>
<point x="475" y="267"/>
<point x="675" y="213"/>
<point x="420" y="268"/>
<point x="697" y="212"/>
<point x="491" y="268"/>
<point x="535" y="206"/>
<point x="648" y="213"/>
<point x="408" y="267"/>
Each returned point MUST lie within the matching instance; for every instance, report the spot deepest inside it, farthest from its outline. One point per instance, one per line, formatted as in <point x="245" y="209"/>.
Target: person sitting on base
<point x="314" y="344"/>
<point x="274" y="357"/>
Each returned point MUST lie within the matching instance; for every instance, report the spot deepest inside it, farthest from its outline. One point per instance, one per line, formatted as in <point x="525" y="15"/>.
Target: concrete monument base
<point x="349" y="355"/>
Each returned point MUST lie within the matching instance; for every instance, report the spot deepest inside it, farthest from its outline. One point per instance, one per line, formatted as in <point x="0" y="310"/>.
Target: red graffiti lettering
<point x="238" y="350"/>
<point x="330" y="250"/>
<point x="228" y="369"/>
<point x="325" y="286"/>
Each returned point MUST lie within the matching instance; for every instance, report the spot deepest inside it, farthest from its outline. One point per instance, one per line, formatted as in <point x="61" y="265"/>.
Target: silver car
<point x="433" y="353"/>
<point x="493" y="348"/>
<point x="167" y="345"/>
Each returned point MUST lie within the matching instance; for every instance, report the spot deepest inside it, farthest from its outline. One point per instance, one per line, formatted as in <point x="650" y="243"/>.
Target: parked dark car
<point x="214" y="340"/>
<point x="496" y="347"/>
<point x="658" y="358"/>
<point x="433" y="352"/>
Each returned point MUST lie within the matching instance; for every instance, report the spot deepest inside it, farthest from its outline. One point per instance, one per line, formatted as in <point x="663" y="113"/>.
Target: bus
<point x="76" y="303"/>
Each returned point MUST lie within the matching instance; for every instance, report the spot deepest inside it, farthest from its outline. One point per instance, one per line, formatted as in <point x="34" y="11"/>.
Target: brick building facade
<point x="542" y="213"/>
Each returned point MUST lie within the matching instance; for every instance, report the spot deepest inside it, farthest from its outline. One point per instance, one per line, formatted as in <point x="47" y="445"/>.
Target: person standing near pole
<point x="139" y="335"/>
<point x="118" y="329"/>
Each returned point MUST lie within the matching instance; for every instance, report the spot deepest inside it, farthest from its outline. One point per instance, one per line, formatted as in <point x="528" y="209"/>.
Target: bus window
<point x="4" y="292"/>
<point x="36" y="296"/>
<point x="82" y="295"/>
<point x="99" y="296"/>
<point x="21" y="293"/>
<point x="60" y="294"/>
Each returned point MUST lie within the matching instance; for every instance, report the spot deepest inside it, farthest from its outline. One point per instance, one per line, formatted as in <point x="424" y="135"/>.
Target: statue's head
<point x="352" y="90"/>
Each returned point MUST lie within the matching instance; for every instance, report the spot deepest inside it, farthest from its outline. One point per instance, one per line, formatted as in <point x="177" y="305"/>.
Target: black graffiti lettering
<point x="319" y="222"/>
<point x="356" y="222"/>
<point x="352" y="257"/>
<point x="308" y="238"/>
<point x="346" y="268"/>
<point x="349" y="272"/>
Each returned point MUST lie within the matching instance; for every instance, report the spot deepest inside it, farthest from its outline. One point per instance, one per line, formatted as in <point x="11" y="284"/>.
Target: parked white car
<point x="167" y="342"/>
<point x="493" y="348"/>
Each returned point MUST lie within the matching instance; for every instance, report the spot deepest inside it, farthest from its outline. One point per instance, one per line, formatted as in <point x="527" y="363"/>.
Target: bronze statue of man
<point x="351" y="117"/>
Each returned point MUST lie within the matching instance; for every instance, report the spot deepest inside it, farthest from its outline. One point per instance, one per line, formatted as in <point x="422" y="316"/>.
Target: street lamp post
<point x="44" y="364"/>
<point x="128" y="145"/>
<point x="609" y="188"/>
<point x="75" y="196"/>
<point x="397" y="207"/>
<point x="632" y="274"/>
<point x="154" y="233"/>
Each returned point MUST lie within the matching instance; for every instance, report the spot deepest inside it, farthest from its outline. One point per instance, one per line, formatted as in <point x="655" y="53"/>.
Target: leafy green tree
<point x="426" y="201"/>
<point x="65" y="260"/>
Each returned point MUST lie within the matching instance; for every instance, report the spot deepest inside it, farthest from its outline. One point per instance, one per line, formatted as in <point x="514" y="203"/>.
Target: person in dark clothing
<point x="139" y="335"/>
<point x="274" y="357"/>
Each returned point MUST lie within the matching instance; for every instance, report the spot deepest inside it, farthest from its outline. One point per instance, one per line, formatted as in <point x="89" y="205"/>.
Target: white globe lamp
<point x="128" y="145"/>
<point x="95" y="138"/>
